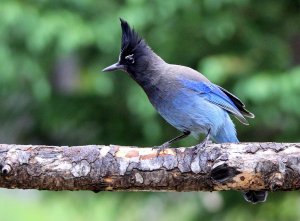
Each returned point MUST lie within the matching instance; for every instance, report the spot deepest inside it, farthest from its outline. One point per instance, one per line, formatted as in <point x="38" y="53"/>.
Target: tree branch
<point x="244" y="166"/>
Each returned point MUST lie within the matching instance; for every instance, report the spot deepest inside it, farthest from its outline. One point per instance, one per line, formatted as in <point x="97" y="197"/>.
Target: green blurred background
<point x="52" y="91"/>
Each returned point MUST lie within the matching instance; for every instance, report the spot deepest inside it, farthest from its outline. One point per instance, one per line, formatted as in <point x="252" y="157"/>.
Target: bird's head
<point x="133" y="50"/>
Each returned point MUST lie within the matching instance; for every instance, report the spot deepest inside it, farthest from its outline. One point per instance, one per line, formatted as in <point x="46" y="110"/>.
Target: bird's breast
<point x="186" y="111"/>
<point x="169" y="106"/>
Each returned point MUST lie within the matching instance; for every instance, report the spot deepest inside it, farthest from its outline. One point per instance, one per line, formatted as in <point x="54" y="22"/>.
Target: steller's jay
<point x="182" y="96"/>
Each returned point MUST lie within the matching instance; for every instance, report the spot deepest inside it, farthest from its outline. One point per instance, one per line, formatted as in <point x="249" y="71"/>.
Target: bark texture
<point x="244" y="166"/>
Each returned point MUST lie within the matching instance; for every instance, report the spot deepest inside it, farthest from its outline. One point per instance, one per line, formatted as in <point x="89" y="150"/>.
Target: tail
<point x="255" y="196"/>
<point x="227" y="134"/>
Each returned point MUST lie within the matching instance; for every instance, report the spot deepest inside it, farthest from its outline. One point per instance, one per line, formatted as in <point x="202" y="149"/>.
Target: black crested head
<point x="130" y="39"/>
<point x="132" y="45"/>
<point x="136" y="57"/>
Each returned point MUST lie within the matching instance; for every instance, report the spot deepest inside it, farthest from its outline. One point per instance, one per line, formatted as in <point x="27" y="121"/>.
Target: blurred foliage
<point x="52" y="91"/>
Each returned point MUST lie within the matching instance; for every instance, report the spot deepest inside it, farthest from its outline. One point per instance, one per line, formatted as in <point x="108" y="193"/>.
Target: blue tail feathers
<point x="226" y="134"/>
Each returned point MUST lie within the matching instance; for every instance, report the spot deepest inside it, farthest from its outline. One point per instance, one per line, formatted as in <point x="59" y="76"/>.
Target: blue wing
<point x="215" y="95"/>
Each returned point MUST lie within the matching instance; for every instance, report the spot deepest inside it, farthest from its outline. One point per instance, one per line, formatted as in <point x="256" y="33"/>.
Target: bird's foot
<point x="162" y="147"/>
<point x="202" y="145"/>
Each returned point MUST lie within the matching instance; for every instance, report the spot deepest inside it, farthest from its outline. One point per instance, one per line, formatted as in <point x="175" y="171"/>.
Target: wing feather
<point x="220" y="97"/>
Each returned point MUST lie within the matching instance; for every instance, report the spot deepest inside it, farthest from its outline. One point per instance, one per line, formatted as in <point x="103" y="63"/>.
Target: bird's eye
<point x="130" y="58"/>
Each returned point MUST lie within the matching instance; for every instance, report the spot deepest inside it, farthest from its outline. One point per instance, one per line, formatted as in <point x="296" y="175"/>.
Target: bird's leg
<point x="168" y="143"/>
<point x="180" y="137"/>
<point x="204" y="142"/>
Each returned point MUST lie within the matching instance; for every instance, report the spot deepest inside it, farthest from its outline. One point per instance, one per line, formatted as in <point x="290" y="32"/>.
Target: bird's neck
<point x="149" y="70"/>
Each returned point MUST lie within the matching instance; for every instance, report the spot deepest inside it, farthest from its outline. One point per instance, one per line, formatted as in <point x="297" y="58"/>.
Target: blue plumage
<point x="183" y="97"/>
<point x="215" y="95"/>
<point x="197" y="107"/>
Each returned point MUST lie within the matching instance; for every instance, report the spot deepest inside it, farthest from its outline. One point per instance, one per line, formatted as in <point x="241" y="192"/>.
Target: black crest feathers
<point x="131" y="41"/>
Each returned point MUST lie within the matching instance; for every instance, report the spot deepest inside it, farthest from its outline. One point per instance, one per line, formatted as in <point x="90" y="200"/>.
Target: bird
<point x="184" y="97"/>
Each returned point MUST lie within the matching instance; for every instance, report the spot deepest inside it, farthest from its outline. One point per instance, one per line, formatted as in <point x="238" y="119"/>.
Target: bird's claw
<point x="202" y="145"/>
<point x="162" y="147"/>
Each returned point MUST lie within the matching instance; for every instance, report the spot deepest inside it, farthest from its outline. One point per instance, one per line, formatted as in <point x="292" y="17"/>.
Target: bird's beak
<point x="114" y="67"/>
